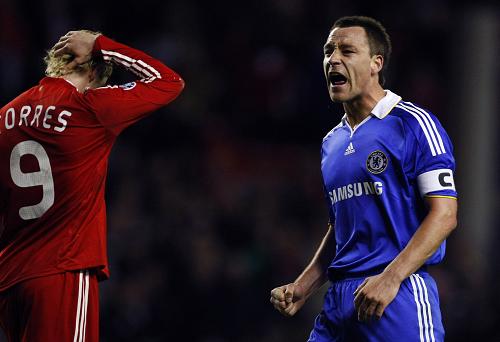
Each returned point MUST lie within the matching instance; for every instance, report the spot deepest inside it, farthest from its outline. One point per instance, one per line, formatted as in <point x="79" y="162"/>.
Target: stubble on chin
<point x="339" y="98"/>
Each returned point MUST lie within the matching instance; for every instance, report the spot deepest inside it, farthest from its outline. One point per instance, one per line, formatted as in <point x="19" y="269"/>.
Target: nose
<point x="334" y="58"/>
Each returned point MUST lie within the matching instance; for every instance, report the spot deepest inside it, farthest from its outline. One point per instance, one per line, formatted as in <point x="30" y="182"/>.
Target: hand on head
<point x="79" y="44"/>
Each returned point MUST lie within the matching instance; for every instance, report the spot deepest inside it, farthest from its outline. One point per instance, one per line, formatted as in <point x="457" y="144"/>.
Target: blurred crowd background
<point x="217" y="198"/>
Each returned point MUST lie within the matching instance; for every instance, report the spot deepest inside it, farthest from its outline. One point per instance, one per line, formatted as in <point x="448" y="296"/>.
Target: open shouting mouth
<point x="336" y="79"/>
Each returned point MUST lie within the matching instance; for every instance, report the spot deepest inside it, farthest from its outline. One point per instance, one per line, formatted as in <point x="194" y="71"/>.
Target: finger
<point x="81" y="59"/>
<point x="360" y="286"/>
<point x="360" y="296"/>
<point x="290" y="310"/>
<point x="278" y="293"/>
<point x="362" y="309"/>
<point x="275" y="302"/>
<point x="61" y="50"/>
<point x="379" y="311"/>
<point x="64" y="38"/>
<point x="278" y="305"/>
<point x="289" y="293"/>
<point x="60" y="43"/>
<point x="71" y="65"/>
<point x="370" y="310"/>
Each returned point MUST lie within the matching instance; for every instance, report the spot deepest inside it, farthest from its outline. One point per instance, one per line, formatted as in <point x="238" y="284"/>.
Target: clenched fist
<point x="288" y="299"/>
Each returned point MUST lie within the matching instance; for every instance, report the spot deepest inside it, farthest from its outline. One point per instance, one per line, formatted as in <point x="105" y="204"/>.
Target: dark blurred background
<point x="217" y="198"/>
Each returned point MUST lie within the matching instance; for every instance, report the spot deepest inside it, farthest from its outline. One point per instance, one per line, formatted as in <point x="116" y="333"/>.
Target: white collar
<point x="383" y="107"/>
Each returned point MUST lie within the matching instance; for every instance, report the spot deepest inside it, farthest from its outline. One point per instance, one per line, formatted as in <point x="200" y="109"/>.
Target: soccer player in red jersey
<point x="55" y="140"/>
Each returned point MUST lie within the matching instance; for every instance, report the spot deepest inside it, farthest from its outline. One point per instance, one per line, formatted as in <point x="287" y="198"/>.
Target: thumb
<point x="71" y="65"/>
<point x="82" y="59"/>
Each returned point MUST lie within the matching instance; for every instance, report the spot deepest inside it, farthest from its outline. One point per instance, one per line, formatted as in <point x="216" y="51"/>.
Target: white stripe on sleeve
<point x="432" y="123"/>
<point x="422" y="125"/>
<point x="149" y="67"/>
<point x="427" y="125"/>
<point x="147" y="71"/>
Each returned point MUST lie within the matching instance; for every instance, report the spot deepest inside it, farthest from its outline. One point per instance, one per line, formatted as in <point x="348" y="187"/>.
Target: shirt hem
<point x="334" y="276"/>
<point x="99" y="268"/>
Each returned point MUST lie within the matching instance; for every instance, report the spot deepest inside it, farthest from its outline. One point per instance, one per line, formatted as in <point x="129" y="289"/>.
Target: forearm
<point x="314" y="275"/>
<point x="435" y="228"/>
<point x="149" y="70"/>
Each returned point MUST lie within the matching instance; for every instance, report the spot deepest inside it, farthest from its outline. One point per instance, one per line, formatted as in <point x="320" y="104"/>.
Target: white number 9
<point x="24" y="180"/>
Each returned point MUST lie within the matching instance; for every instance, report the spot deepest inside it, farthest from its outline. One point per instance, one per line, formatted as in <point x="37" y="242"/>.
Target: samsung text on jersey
<point x="355" y="189"/>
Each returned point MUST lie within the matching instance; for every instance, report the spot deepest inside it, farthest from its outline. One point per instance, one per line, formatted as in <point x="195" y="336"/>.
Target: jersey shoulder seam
<point x="426" y="123"/>
<point x="407" y="127"/>
<point x="406" y="117"/>
<point x="329" y="134"/>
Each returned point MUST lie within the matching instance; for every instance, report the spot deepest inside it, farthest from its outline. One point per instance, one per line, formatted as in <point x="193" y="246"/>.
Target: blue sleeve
<point x="331" y="214"/>
<point x="429" y="153"/>
<point x="328" y="200"/>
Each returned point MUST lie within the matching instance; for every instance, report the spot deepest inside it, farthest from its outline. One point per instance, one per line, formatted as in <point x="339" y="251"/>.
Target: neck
<point x="360" y="107"/>
<point x="80" y="82"/>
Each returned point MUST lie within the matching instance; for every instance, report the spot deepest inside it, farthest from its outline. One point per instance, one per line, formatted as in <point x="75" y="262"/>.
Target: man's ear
<point x="94" y="80"/>
<point x="376" y="64"/>
<point x="92" y="75"/>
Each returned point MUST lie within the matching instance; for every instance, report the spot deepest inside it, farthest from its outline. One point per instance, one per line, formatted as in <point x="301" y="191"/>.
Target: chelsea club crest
<point x="377" y="162"/>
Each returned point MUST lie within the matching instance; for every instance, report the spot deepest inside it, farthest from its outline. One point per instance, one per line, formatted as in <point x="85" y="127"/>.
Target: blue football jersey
<point x="376" y="177"/>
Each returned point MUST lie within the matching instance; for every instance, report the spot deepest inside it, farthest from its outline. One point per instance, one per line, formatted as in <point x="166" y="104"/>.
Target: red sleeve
<point x="117" y="107"/>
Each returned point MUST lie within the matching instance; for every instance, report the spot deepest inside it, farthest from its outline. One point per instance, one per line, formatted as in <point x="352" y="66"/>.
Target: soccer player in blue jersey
<point x="388" y="177"/>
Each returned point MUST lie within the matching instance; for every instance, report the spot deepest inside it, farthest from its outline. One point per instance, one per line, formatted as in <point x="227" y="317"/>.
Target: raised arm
<point x="118" y="106"/>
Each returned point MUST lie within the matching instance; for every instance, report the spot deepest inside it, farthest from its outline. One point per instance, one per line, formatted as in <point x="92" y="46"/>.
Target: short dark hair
<point x="378" y="39"/>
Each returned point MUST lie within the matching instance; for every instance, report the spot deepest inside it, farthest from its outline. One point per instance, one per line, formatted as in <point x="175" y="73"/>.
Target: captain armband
<point x="436" y="180"/>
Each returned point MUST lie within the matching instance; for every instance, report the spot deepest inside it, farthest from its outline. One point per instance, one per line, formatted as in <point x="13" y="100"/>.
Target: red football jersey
<point x="54" y="148"/>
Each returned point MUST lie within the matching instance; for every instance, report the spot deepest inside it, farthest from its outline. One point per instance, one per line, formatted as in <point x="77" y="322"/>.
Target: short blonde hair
<point x="56" y="65"/>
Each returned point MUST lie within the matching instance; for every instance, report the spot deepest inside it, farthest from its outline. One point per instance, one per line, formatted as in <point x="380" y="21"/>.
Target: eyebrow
<point x="341" y="45"/>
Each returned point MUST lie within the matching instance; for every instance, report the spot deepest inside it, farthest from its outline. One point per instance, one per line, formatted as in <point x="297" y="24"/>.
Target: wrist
<point x="308" y="287"/>
<point x="96" y="49"/>
<point x="300" y="286"/>
<point x="394" y="275"/>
